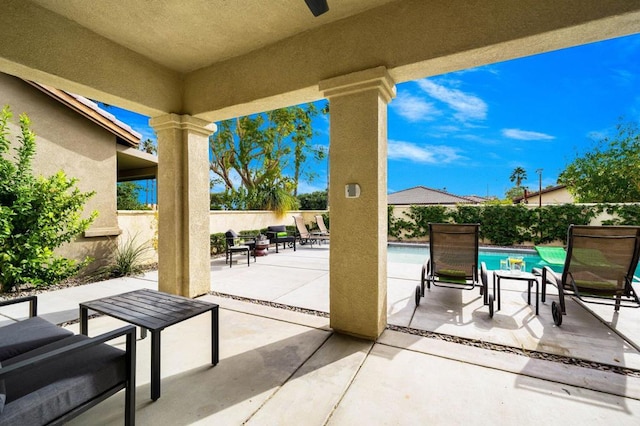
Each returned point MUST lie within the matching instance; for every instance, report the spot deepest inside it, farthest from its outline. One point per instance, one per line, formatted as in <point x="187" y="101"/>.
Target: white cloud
<point x="413" y="108"/>
<point x="525" y="135"/>
<point x="424" y="154"/>
<point x="468" y="106"/>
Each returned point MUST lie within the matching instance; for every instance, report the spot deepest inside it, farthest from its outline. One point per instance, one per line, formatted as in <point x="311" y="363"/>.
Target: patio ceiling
<point x="216" y="59"/>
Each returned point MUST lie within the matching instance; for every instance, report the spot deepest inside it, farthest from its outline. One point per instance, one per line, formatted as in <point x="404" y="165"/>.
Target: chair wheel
<point x="418" y="295"/>
<point x="556" y="313"/>
<point x="490" y="306"/>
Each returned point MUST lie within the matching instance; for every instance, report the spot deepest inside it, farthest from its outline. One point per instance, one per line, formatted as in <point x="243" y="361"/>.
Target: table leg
<point x="215" y="340"/>
<point x="84" y="321"/>
<point x="143" y="333"/>
<point x="494" y="287"/>
<point x="529" y="284"/>
<point x="537" y="297"/>
<point x="155" y="365"/>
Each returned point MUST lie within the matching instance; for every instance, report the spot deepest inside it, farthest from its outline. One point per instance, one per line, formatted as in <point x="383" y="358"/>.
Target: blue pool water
<point x="417" y="254"/>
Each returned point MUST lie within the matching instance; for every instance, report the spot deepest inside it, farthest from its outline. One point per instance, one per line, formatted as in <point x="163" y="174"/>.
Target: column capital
<point x="183" y="122"/>
<point x="359" y="81"/>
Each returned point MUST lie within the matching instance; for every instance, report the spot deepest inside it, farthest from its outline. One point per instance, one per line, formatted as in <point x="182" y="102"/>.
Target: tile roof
<point x="93" y="112"/>
<point x="535" y="194"/>
<point x="423" y="195"/>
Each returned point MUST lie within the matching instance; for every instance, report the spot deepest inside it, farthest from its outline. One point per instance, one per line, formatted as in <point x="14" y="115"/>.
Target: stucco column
<point x="358" y="156"/>
<point x="183" y="204"/>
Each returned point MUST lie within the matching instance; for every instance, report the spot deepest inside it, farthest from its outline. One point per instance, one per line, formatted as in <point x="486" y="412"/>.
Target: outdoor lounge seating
<point x="552" y="256"/>
<point x="321" y="226"/>
<point x="304" y="236"/>
<point x="453" y="260"/>
<point x="239" y="244"/>
<point x="48" y="375"/>
<point x="598" y="268"/>
<point x="278" y="234"/>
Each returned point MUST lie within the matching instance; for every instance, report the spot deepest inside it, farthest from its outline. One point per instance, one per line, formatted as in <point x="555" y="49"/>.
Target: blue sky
<point x="466" y="131"/>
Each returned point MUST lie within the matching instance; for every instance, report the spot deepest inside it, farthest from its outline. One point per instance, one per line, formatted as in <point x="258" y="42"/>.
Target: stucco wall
<point x="143" y="224"/>
<point x="67" y="141"/>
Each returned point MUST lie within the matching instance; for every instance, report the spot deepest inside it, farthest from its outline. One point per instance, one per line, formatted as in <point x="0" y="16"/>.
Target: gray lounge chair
<point x="598" y="268"/>
<point x="453" y="261"/>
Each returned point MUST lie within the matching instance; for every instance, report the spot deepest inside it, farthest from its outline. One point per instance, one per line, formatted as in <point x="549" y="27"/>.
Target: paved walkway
<point x="285" y="367"/>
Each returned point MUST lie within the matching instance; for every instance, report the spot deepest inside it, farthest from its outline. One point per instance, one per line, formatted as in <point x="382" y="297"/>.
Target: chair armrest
<point x="20" y="367"/>
<point x="549" y="276"/>
<point x="483" y="274"/>
<point x="33" y="304"/>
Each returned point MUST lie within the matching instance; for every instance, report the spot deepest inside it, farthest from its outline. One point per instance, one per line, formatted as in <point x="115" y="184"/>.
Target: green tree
<point x="316" y="200"/>
<point x="37" y="215"/>
<point x="149" y="147"/>
<point x="610" y="172"/>
<point x="257" y="151"/>
<point x="518" y="175"/>
<point x="514" y="192"/>
<point x="127" y="196"/>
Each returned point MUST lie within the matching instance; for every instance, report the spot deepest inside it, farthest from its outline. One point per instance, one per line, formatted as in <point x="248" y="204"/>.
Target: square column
<point x="358" y="193"/>
<point x="183" y="204"/>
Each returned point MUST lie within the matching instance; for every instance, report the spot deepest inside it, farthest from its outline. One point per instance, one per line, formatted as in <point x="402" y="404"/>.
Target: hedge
<point x="508" y="225"/>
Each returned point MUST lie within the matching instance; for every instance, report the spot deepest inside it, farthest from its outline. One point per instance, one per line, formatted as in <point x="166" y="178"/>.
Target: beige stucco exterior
<point x="67" y="141"/>
<point x="220" y="59"/>
<point x="556" y="196"/>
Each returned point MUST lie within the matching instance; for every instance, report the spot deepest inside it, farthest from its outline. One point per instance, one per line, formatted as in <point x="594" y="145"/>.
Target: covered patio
<point x="187" y="64"/>
<point x="444" y="362"/>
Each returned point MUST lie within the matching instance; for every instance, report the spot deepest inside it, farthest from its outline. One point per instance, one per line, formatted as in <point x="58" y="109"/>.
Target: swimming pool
<point x="418" y="253"/>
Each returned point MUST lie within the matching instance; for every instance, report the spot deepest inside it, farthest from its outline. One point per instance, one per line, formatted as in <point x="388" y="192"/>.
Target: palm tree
<point x="148" y="146"/>
<point x="518" y="175"/>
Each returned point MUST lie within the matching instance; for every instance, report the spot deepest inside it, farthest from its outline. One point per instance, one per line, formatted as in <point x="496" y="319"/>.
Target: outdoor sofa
<point x="278" y="234"/>
<point x="49" y="375"/>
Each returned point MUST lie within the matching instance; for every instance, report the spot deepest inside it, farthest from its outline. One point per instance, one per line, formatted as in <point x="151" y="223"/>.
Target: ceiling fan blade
<point x="317" y="7"/>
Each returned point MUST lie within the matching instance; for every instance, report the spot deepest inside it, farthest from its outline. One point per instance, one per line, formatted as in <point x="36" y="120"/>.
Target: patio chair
<point x="239" y="244"/>
<point x="598" y="268"/>
<point x="304" y="236"/>
<point x="321" y="226"/>
<point x="453" y="261"/>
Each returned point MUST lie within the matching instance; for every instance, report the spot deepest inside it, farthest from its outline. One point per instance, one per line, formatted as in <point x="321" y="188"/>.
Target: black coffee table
<point x="154" y="311"/>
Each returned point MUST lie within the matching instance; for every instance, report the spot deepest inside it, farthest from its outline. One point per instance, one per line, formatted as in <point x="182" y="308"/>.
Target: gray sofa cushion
<point x="54" y="389"/>
<point x="23" y="336"/>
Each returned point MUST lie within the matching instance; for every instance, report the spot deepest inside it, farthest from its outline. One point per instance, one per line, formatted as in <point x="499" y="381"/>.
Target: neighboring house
<point x="421" y="195"/>
<point x="553" y="195"/>
<point x="76" y="136"/>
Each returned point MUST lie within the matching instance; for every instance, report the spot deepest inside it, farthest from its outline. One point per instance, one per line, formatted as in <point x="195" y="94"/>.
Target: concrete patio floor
<point x="283" y="367"/>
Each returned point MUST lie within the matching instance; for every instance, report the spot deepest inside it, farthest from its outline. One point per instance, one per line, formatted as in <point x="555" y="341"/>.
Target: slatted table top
<point x="149" y="309"/>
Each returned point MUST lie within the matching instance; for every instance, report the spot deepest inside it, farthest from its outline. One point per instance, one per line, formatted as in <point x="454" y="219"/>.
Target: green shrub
<point x="127" y="259"/>
<point x="421" y="216"/>
<point x="628" y="214"/>
<point x="506" y="225"/>
<point x="550" y="223"/>
<point x="218" y="243"/>
<point x="37" y="215"/>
